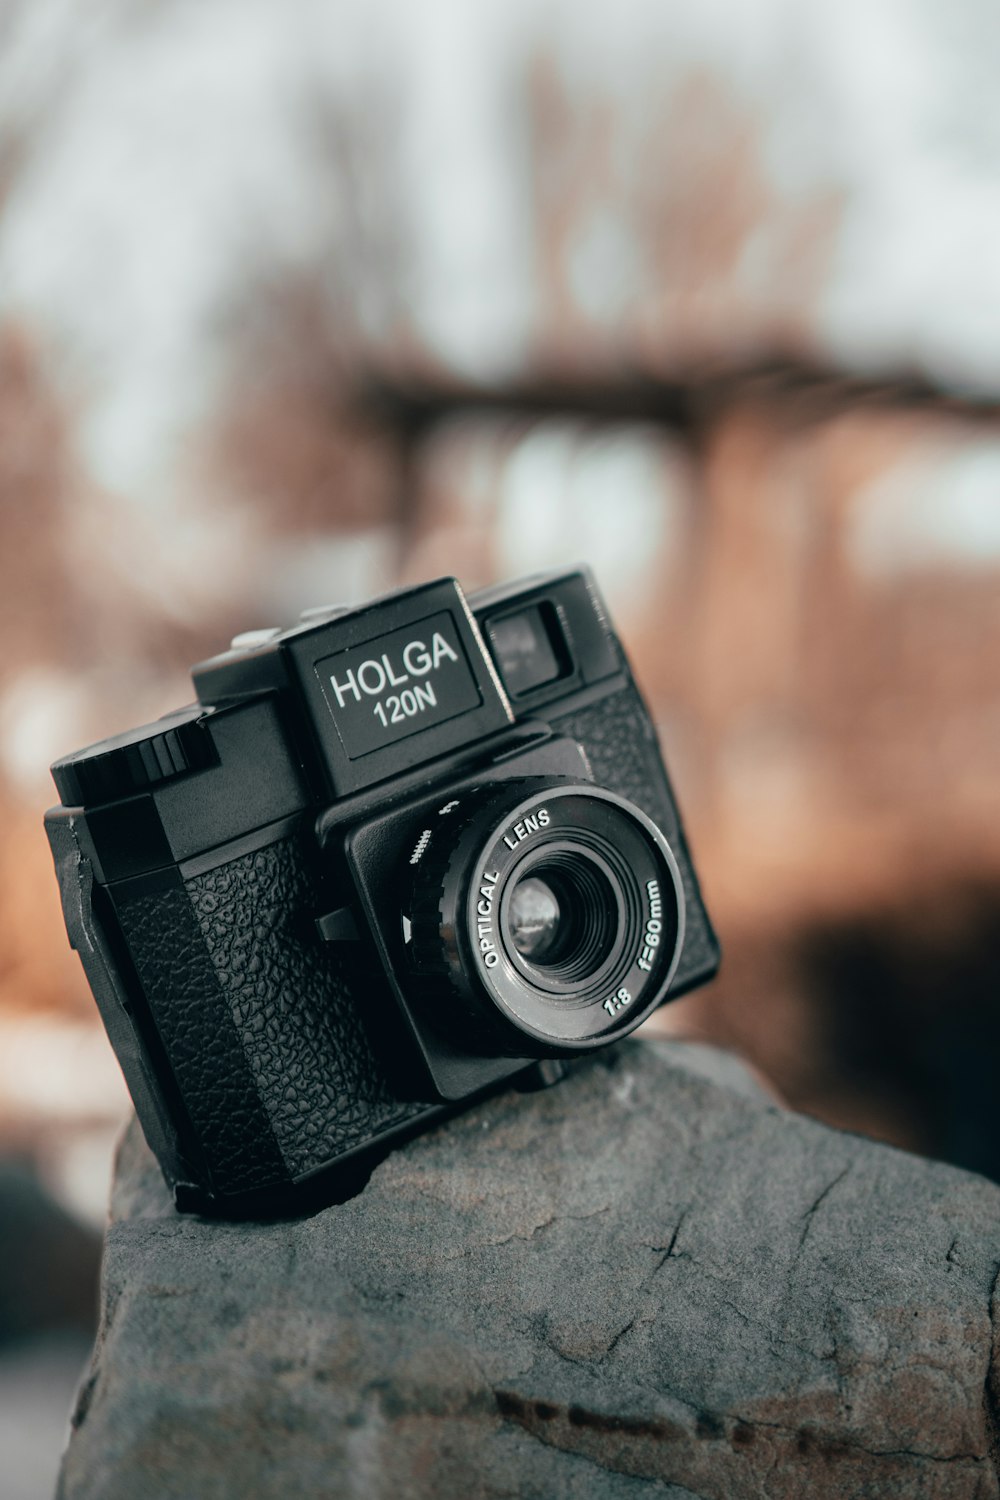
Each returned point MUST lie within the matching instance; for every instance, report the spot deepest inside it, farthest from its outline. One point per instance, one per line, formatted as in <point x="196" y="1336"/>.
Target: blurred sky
<point x="168" y="164"/>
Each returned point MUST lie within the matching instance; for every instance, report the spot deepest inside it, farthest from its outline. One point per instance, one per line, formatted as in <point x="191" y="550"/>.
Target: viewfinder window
<point x="528" y="648"/>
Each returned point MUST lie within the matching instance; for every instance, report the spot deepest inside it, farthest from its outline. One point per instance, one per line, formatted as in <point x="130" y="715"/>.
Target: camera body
<point x="391" y="859"/>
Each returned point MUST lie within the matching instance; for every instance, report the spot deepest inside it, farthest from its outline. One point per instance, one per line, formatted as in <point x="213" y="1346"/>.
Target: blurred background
<point x="300" y="302"/>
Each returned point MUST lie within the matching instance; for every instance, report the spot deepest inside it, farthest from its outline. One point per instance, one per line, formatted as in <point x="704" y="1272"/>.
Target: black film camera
<point x="392" y="857"/>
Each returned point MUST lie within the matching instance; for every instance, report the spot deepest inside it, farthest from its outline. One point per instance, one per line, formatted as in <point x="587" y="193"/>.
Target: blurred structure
<point x="298" y="303"/>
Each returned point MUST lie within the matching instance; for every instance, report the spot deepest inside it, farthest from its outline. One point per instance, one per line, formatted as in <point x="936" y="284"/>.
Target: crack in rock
<point x="670" y="1447"/>
<point x="810" y="1214"/>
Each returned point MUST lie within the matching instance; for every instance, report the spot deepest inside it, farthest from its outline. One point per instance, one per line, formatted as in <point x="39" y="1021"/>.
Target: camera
<point x="394" y="857"/>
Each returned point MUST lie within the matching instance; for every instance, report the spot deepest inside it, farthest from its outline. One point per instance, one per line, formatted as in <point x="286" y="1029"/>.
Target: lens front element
<point x="534" y="921"/>
<point x="571" y="942"/>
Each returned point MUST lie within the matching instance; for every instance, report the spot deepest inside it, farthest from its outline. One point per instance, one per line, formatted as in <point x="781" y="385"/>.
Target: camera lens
<point x="554" y="910"/>
<point x="561" y="918"/>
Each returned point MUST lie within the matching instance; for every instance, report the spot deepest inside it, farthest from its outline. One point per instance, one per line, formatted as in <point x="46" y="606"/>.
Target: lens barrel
<point x="554" y="910"/>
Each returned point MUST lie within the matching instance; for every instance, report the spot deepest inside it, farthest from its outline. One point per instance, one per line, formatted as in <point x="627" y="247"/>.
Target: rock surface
<point x="644" y="1281"/>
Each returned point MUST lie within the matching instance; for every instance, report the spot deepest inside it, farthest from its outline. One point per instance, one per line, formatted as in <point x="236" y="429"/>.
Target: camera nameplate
<point x="397" y="684"/>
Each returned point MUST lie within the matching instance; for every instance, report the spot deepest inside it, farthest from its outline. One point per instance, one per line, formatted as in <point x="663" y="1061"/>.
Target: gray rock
<point x="641" y="1282"/>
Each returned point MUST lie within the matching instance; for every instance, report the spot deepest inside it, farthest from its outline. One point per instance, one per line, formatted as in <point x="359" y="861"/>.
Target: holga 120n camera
<point x="391" y="858"/>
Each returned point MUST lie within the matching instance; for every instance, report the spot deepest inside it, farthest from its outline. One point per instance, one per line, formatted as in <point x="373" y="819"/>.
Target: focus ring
<point x="434" y="946"/>
<point x="433" y="950"/>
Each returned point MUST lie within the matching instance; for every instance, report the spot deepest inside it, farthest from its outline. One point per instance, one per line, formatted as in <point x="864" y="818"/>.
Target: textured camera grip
<point x="260" y="1020"/>
<point x="233" y="1142"/>
<point x="296" y="1005"/>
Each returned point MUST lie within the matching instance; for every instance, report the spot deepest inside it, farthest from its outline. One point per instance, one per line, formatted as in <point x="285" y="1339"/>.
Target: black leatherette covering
<point x="201" y="1042"/>
<point x="296" y="1007"/>
<point x="259" y="1020"/>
